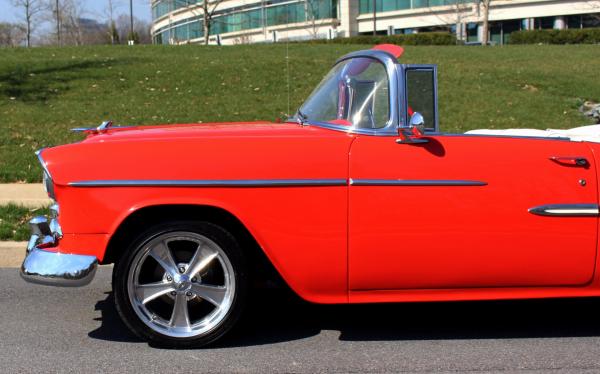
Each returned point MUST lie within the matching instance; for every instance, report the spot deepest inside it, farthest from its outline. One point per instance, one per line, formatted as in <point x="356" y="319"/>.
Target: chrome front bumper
<point x="42" y="266"/>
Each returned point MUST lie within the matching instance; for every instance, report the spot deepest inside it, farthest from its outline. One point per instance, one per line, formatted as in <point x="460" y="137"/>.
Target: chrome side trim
<point x="213" y="183"/>
<point x="384" y="131"/>
<point x="58" y="269"/>
<point x="566" y="210"/>
<point x="415" y="182"/>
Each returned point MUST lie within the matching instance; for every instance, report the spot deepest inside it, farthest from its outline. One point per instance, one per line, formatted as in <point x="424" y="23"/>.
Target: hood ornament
<point x="104" y="127"/>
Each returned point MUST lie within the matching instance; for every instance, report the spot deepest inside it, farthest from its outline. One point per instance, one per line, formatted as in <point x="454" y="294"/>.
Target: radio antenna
<point x="287" y="64"/>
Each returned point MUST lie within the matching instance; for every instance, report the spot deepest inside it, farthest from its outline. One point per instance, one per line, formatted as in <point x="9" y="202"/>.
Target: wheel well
<point x="259" y="265"/>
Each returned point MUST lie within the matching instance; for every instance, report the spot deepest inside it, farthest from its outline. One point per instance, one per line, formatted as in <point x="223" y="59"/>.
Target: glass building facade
<point x="256" y="21"/>
<point x="247" y="17"/>
<point x="366" y="6"/>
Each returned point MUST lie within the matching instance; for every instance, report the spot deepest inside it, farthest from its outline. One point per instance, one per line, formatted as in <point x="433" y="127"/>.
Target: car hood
<point x="213" y="151"/>
<point x="195" y="130"/>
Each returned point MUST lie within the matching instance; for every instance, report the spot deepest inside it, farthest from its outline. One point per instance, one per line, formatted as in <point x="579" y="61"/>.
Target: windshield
<point x="354" y="93"/>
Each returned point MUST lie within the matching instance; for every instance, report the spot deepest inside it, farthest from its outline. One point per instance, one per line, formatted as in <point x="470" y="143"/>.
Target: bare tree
<point x="312" y="13"/>
<point x="11" y="35"/>
<point x="460" y="11"/>
<point x="111" y="7"/>
<point x="30" y="9"/>
<point x="485" y="37"/>
<point x="141" y="29"/>
<point x="71" y="15"/>
<point x="54" y="7"/>
<point x="208" y="11"/>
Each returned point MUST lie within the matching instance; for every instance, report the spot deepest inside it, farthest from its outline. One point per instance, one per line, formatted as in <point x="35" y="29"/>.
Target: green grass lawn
<point x="14" y="219"/>
<point x="45" y="91"/>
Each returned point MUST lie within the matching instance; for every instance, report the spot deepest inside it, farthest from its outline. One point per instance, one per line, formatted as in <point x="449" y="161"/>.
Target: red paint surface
<point x="356" y="243"/>
<point x="428" y="237"/>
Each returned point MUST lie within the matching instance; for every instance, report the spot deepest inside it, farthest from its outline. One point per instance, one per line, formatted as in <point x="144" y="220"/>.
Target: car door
<point x="466" y="211"/>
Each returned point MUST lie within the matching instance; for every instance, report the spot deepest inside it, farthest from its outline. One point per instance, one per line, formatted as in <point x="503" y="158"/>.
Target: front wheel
<point x="181" y="284"/>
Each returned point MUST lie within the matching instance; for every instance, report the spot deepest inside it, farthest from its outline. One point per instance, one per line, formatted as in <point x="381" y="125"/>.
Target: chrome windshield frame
<point x="392" y="68"/>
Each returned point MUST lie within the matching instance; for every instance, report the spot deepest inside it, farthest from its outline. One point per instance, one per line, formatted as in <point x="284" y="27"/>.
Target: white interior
<point x="577" y="134"/>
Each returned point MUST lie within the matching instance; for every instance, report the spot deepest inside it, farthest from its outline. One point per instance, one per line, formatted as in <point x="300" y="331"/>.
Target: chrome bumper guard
<point x="54" y="268"/>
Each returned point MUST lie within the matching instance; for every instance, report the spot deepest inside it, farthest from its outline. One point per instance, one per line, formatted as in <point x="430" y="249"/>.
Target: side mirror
<point x="417" y="122"/>
<point x="413" y="134"/>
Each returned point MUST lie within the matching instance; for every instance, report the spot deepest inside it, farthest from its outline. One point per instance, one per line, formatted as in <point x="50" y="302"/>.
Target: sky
<point x="94" y="9"/>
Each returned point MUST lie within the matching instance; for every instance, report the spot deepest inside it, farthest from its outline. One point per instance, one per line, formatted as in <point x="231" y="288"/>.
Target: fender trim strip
<point x="566" y="210"/>
<point x="416" y="182"/>
<point x="213" y="183"/>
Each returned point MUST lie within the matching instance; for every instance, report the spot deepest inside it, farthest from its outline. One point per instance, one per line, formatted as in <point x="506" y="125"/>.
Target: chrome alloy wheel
<point x="181" y="284"/>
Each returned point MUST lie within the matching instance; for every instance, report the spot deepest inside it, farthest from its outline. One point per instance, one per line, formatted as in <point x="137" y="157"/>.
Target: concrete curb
<point x="30" y="195"/>
<point x="12" y="254"/>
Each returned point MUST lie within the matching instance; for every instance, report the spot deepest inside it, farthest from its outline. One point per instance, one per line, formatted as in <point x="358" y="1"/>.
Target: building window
<point x="574" y="22"/>
<point x="366" y="6"/>
<point x="472" y="32"/>
<point x="590" y="20"/>
<point x="404" y="31"/>
<point x="160" y="8"/>
<point x="544" y="23"/>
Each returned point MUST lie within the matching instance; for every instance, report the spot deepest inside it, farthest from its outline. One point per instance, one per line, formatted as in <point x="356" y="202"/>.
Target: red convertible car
<point x="357" y="199"/>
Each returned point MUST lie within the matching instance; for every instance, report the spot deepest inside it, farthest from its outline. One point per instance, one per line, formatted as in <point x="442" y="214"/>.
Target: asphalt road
<point x="45" y="329"/>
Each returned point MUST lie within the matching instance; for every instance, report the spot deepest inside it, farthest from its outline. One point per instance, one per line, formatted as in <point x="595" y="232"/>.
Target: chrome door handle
<point x="571" y="161"/>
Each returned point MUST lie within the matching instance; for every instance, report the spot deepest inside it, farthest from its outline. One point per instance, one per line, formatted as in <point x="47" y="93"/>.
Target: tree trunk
<point x="486" y="22"/>
<point x="57" y="23"/>
<point x="28" y="31"/>
<point x="206" y="29"/>
<point x="206" y="24"/>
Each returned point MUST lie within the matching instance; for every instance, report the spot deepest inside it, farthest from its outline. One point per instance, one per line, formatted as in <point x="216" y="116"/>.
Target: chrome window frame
<point x="404" y="93"/>
<point x="392" y="68"/>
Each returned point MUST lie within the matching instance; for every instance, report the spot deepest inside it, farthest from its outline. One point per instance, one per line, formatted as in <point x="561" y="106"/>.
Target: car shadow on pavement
<point x="275" y="316"/>
<point x="112" y="327"/>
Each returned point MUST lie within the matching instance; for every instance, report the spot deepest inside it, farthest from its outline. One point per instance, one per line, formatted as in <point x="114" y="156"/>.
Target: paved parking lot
<point x="77" y="330"/>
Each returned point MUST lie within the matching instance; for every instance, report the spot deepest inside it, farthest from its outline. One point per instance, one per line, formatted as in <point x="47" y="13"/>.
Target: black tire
<point x="122" y="275"/>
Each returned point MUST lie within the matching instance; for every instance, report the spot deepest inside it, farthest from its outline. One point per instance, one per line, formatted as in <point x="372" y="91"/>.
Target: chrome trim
<point x="95" y="129"/>
<point x="38" y="153"/>
<point x="47" y="181"/>
<point x="351" y="130"/>
<point x="58" y="269"/>
<point x="566" y="210"/>
<point x="54" y="210"/>
<point x="103" y="127"/>
<point x="416" y="182"/>
<point x="403" y="94"/>
<point x="39" y="226"/>
<point x="44" y="233"/>
<point x="213" y="183"/>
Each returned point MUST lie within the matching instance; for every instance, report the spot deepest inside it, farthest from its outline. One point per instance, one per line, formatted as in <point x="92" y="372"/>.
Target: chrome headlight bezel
<point x="47" y="177"/>
<point x="48" y="185"/>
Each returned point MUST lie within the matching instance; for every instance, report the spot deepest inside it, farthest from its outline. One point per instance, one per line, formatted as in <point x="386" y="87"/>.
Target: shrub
<point x="573" y="36"/>
<point x="428" y="38"/>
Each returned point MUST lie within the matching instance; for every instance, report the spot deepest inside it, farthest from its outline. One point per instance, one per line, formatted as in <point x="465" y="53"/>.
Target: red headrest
<point x="394" y="50"/>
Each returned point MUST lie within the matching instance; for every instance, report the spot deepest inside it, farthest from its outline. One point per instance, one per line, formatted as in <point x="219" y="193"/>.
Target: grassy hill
<point x="45" y="91"/>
